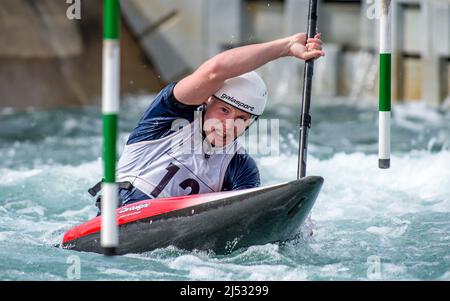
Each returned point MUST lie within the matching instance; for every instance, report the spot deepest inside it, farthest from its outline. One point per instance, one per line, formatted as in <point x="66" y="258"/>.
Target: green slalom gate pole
<point x="110" y="110"/>
<point x="305" y="119"/>
<point x="384" y="130"/>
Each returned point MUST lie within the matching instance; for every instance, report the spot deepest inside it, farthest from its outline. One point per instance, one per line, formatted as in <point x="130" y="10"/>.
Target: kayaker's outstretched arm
<point x="196" y="88"/>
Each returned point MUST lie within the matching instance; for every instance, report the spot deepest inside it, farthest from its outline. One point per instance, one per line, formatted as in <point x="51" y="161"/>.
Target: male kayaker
<point x="172" y="152"/>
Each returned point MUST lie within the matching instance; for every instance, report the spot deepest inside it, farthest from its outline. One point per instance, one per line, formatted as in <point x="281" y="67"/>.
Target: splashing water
<point x="400" y="217"/>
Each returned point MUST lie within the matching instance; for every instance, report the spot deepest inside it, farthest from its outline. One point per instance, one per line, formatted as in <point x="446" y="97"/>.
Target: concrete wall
<point x="180" y="35"/>
<point x="45" y="59"/>
<point x="48" y="60"/>
<point x="421" y="45"/>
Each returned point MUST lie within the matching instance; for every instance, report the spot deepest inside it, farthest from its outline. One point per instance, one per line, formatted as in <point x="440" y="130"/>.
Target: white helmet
<point x="247" y="92"/>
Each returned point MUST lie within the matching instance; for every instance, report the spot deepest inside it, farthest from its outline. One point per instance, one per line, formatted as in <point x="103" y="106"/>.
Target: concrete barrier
<point x="38" y="45"/>
<point x="48" y="60"/>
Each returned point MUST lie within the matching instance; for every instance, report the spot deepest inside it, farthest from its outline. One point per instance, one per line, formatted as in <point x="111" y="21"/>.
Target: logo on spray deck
<point x="134" y="208"/>
<point x="237" y="102"/>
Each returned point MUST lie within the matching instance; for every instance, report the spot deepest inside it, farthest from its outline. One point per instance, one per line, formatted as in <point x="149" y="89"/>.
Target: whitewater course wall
<point x="47" y="59"/>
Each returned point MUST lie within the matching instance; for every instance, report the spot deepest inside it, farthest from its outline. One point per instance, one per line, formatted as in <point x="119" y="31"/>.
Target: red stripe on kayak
<point x="145" y="209"/>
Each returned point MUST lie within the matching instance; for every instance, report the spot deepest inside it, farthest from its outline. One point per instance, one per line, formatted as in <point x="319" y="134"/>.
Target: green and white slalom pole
<point x="384" y="130"/>
<point x="110" y="109"/>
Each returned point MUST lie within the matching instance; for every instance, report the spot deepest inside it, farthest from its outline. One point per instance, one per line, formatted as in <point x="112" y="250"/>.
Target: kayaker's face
<point x="224" y="123"/>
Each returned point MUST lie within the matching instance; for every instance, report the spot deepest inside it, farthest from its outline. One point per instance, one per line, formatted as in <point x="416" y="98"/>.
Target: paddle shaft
<point x="305" y="119"/>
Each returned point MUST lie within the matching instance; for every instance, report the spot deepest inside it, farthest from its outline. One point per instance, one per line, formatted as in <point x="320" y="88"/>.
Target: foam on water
<point x="396" y="220"/>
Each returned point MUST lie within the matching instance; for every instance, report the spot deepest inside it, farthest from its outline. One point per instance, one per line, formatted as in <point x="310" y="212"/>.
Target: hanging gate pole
<point x="110" y="110"/>
<point x="384" y="130"/>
